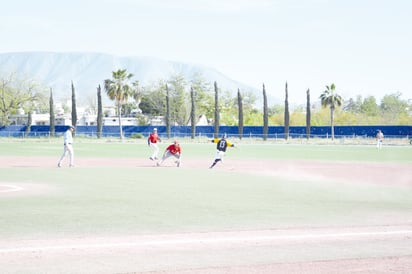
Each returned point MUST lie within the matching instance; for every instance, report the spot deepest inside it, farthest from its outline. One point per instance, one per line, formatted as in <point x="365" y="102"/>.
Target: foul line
<point x="203" y="240"/>
<point x="11" y="188"/>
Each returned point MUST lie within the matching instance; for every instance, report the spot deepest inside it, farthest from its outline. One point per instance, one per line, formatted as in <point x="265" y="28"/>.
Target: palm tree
<point x="330" y="98"/>
<point x="119" y="90"/>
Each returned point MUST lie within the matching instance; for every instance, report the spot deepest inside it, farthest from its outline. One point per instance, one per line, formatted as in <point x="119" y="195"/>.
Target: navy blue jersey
<point x="222" y="145"/>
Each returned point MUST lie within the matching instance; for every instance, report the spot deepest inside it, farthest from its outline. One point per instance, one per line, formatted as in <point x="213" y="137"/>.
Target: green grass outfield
<point x="259" y="150"/>
<point x="114" y="200"/>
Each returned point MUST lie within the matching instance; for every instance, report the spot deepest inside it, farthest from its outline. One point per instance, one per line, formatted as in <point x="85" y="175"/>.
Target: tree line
<point x="180" y="102"/>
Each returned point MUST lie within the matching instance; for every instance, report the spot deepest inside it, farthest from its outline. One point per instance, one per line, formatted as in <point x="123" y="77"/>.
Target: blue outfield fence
<point x="274" y="132"/>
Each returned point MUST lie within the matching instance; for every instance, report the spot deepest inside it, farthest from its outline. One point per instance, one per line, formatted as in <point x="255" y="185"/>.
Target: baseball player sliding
<point x="221" y="147"/>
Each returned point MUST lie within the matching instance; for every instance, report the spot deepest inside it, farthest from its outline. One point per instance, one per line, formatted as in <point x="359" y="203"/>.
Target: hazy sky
<point x="364" y="47"/>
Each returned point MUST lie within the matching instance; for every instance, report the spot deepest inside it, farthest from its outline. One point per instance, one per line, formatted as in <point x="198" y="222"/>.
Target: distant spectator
<point x="379" y="139"/>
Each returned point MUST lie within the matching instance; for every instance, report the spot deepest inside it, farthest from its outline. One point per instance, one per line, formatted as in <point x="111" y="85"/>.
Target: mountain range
<point x="88" y="70"/>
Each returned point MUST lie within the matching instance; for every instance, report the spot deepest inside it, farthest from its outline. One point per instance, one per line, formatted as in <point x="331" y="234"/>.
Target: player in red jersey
<point x="172" y="150"/>
<point x="152" y="142"/>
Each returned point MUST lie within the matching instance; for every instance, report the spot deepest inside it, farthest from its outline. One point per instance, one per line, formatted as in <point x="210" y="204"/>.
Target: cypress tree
<point x="99" y="112"/>
<point x="240" y="114"/>
<point x="52" y="116"/>
<point x="74" y="110"/>
<point x="216" y="122"/>
<point x="287" y="119"/>
<point x="265" y="114"/>
<point x="307" y="114"/>
<point x="167" y="112"/>
<point x="193" y="113"/>
<point x="29" y="122"/>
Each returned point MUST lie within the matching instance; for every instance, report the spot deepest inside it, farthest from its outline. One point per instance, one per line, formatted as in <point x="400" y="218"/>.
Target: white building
<point x="37" y="119"/>
<point x="114" y="121"/>
<point x="84" y="118"/>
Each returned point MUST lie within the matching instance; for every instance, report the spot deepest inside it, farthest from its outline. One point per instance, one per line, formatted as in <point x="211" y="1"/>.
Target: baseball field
<point x="268" y="208"/>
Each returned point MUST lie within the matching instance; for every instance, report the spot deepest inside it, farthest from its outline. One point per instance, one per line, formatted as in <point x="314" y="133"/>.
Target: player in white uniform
<point x="379" y="139"/>
<point x="68" y="147"/>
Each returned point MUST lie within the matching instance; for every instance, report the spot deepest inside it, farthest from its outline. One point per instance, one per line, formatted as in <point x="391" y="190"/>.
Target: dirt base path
<point x="305" y="250"/>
